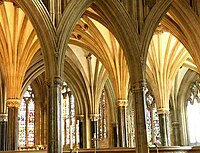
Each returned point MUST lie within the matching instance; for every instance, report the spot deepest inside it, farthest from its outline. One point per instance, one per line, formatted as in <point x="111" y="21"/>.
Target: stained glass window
<point x="130" y="124"/>
<point x="102" y="122"/>
<point x="69" y="123"/>
<point x="27" y="119"/>
<point x="193" y="113"/>
<point x="152" y="119"/>
<point x="22" y="124"/>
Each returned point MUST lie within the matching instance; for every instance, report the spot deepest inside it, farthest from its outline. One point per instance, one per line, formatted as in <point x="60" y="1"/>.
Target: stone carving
<point x="94" y="117"/>
<point x="13" y="102"/>
<point x="121" y="102"/>
<point x="3" y="117"/>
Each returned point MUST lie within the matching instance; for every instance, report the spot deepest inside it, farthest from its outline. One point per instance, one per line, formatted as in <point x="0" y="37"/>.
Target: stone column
<point x="13" y="105"/>
<point x="54" y="117"/>
<point x="138" y="91"/>
<point x="164" y="126"/>
<point x="3" y="131"/>
<point x="122" y="127"/>
<point x="176" y="133"/>
<point x="114" y="133"/>
<point x="94" y="130"/>
<point x="81" y="120"/>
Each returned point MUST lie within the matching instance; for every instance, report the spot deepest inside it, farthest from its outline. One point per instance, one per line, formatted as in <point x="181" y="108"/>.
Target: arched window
<point x="193" y="113"/>
<point x="27" y="119"/>
<point x="70" y="124"/>
<point x="152" y="119"/>
<point x="102" y="116"/>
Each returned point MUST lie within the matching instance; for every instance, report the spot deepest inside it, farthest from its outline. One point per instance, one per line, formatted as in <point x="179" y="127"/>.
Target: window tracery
<point x="152" y="119"/>
<point x="102" y="122"/>
<point x="27" y="119"/>
<point x="193" y="113"/>
<point x="69" y="124"/>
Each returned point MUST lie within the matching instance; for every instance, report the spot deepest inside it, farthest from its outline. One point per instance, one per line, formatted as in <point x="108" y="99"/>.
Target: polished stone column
<point x="122" y="128"/>
<point x="176" y="133"/>
<point x="81" y="120"/>
<point x="138" y="92"/>
<point x="13" y="105"/>
<point x="114" y="134"/>
<point x="3" y="131"/>
<point x="164" y="127"/>
<point x="54" y="117"/>
<point x="94" y="128"/>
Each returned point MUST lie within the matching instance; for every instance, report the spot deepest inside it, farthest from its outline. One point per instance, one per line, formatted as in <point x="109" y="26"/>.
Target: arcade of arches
<point x="100" y="74"/>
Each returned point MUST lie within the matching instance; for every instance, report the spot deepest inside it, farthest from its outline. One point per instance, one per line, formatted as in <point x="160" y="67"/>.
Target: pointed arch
<point x="45" y="30"/>
<point x="188" y="21"/>
<point x="125" y="32"/>
<point x="71" y="15"/>
<point x="183" y="94"/>
<point x="151" y="23"/>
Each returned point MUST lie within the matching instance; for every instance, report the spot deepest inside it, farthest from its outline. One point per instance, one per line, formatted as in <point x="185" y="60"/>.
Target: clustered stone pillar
<point x="94" y="128"/>
<point x="122" y="128"/>
<point x="164" y="126"/>
<point x="54" y="117"/>
<point x="138" y="91"/>
<point x="81" y="120"/>
<point x="3" y="131"/>
<point x="13" y="106"/>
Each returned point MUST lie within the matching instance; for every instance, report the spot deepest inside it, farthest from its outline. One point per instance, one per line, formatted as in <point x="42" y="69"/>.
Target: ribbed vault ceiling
<point x="95" y="38"/>
<point x="92" y="79"/>
<point x="165" y="58"/>
<point x="18" y="44"/>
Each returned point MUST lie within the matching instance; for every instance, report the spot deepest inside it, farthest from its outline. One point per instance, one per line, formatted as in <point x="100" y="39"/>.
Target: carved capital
<point x="121" y="102"/>
<point x="3" y="117"/>
<point x="80" y="118"/>
<point x="160" y="29"/>
<point x="56" y="54"/>
<point x="94" y="117"/>
<point x="163" y="111"/>
<point x="175" y="123"/>
<point x="13" y="103"/>
<point x="57" y="80"/>
<point x="140" y="85"/>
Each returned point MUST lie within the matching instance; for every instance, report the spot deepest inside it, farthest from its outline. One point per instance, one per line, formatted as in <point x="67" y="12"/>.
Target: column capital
<point x="13" y="103"/>
<point x="163" y="111"/>
<point x="94" y="117"/>
<point x="160" y="29"/>
<point x="121" y="102"/>
<point x="3" y="117"/>
<point x="175" y="123"/>
<point x="80" y="118"/>
<point x="57" y="80"/>
<point x="140" y="85"/>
